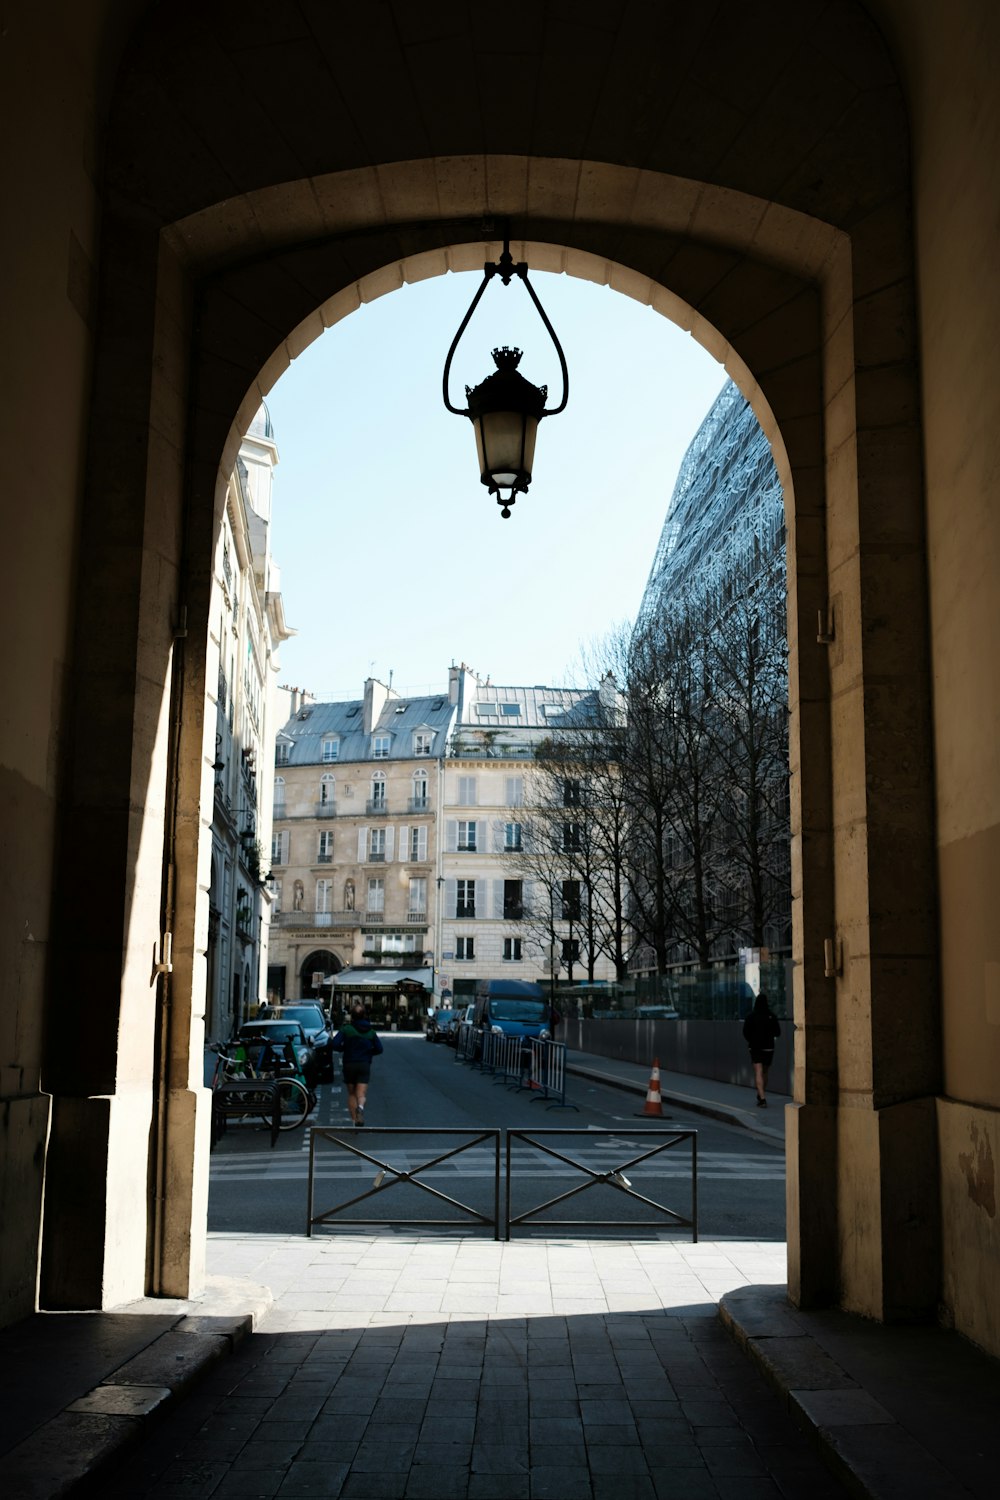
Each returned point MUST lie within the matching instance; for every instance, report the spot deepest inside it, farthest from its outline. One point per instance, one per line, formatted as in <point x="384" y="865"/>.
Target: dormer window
<point x="381" y="745"/>
<point x="423" y="742"/>
<point x="281" y="753"/>
<point x="331" y="749"/>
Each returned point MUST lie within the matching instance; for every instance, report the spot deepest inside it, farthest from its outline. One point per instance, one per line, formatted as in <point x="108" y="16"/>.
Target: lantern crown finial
<point x="506" y="359"/>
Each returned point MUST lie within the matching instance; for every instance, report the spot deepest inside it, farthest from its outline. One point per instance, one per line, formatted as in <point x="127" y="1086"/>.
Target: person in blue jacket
<point x="358" y="1040"/>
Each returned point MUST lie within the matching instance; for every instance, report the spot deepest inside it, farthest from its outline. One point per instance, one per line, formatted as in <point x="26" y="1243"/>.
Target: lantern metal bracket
<point x="507" y="269"/>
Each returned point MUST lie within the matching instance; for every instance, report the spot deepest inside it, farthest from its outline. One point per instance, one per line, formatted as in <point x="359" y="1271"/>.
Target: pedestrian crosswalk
<point x="334" y="1163"/>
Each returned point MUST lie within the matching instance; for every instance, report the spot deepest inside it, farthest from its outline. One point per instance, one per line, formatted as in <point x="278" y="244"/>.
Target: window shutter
<point x="362" y="845"/>
<point x="451" y="835"/>
<point x="421" y="843"/>
<point x="390" y="840"/>
<point x="450" y="897"/>
<point x="467" y="791"/>
<point x="482" y="834"/>
<point x="498" y="898"/>
<point x="404" y="842"/>
<point x="514" y="791"/>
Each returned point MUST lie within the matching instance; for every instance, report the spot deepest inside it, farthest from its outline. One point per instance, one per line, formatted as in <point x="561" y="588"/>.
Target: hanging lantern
<point x="505" y="408"/>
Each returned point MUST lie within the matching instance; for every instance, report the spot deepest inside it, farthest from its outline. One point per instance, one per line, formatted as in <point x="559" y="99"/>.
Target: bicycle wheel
<point x="293" y="1100"/>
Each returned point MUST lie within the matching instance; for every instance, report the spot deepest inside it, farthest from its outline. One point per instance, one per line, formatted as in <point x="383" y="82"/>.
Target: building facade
<point x="353" y="852"/>
<point x="501" y="912"/>
<point x="717" y="595"/>
<point x="247" y="628"/>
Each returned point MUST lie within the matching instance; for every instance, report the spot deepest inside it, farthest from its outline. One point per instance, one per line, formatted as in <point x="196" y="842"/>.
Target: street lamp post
<point x="505" y="408"/>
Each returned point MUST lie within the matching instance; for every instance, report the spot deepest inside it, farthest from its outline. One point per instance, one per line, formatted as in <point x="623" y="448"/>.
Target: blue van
<point x="514" y="1006"/>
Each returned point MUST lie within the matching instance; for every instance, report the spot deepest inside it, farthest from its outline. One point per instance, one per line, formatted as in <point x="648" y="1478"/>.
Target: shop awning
<point x="362" y="980"/>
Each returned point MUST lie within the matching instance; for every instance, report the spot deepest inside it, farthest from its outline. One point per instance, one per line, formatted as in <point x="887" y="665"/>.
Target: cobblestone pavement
<point x="399" y="1367"/>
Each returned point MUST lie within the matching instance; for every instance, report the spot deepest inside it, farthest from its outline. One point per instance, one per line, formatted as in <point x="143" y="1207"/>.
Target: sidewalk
<point x="407" y="1365"/>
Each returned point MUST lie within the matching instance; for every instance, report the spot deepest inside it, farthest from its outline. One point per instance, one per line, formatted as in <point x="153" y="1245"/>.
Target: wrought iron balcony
<point x="418" y="804"/>
<point x="375" y="857"/>
<point x="376" y="805"/>
<point x="325" y="809"/>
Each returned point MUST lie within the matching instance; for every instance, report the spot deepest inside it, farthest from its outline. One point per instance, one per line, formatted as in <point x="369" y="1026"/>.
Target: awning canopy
<point x="382" y="979"/>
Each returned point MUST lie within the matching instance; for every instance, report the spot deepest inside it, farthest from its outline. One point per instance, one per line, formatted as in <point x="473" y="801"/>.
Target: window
<point x="467" y="837"/>
<point x="513" y="791"/>
<point x="486" y="710"/>
<point x="418" y="898"/>
<point x="331" y="750"/>
<point x="570" y="951"/>
<point x="512" y="950"/>
<point x="376" y="843"/>
<point x="465" y="898"/>
<point x="418" y="843"/>
<point x="376" y="895"/>
<point x="465" y="949"/>
<point x="571" y="792"/>
<point x="323" y="892"/>
<point x="512" y="836"/>
<point x="423" y="742"/>
<point x="571" y="900"/>
<point x="419" y="799"/>
<point x="378" y="792"/>
<point x="512" y="710"/>
<point x="513" y="900"/>
<point x="326" y="847"/>
<point x="466" y="791"/>
<point x="279" y="791"/>
<point x="275" y="897"/>
<point x="279" y="848"/>
<point x="572" y="843"/>
<point x="281" y="754"/>
<point x="381" y="745"/>
<point x="327" y="789"/>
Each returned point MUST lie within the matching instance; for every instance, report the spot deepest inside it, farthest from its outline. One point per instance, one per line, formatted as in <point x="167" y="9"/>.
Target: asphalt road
<point x="418" y="1085"/>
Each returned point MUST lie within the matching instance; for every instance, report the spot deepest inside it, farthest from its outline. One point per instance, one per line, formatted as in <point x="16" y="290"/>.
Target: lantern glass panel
<point x="505" y="442"/>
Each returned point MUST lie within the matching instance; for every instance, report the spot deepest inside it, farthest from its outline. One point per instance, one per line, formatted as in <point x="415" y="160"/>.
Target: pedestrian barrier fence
<point x="613" y="1176"/>
<point x="371" y="1151"/>
<point x="389" y="1175"/>
<point x="519" y="1062"/>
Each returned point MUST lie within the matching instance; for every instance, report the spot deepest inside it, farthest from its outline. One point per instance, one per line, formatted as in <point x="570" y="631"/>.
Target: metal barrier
<point x="547" y="1073"/>
<point x="467" y="1042"/>
<point x="389" y="1176"/>
<point x="239" y="1097"/>
<point x="614" y="1178"/>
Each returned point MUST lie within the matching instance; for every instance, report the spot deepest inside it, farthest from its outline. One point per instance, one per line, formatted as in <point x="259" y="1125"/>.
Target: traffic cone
<point x="654" y="1104"/>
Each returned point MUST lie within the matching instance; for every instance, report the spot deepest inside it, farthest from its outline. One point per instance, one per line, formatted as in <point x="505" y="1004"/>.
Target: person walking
<point x="358" y="1040"/>
<point x="760" y="1029"/>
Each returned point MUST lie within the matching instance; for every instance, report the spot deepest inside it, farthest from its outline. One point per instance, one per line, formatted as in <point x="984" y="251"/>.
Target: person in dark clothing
<point x="358" y="1040"/>
<point x="760" y="1029"/>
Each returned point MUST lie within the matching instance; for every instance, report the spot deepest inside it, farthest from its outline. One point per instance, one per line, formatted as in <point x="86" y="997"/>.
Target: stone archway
<point x="790" y="262"/>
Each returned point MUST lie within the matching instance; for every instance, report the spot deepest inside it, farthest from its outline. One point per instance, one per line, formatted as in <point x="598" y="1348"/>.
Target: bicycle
<point x="295" y="1100"/>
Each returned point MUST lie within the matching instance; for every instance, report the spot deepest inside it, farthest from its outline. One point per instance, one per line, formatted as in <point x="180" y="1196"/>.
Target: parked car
<point x="270" y="1037"/>
<point x="319" y="1033"/>
<point x="656" y="1013"/>
<point x="441" y="1025"/>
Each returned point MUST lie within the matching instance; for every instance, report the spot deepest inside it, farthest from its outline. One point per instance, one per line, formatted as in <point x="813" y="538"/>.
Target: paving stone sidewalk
<point x="409" y="1367"/>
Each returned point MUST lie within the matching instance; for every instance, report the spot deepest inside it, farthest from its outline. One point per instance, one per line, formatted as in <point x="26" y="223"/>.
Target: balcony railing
<point x="374" y="916"/>
<point x="324" y="859"/>
<point x="325" y="809"/>
<point x="376" y="805"/>
<point x="376" y="856"/>
<point x="416" y="916"/>
<point x="418" y="804"/>
<point x="316" y="919"/>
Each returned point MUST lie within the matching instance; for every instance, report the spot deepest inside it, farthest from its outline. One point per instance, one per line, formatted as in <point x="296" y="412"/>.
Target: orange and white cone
<point x="654" y="1104"/>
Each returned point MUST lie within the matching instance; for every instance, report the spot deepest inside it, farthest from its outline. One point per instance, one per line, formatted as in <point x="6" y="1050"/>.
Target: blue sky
<point x="393" y="556"/>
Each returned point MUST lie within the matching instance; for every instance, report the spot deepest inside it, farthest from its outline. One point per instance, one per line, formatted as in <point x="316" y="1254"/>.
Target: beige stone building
<point x="828" y="230"/>
<point x="357" y="798"/>
<point x="500" y="913"/>
<point x="247" y="626"/>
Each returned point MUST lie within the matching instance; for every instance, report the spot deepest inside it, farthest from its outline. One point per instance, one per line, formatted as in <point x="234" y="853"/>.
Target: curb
<point x="863" y="1445"/>
<point x="66" y="1453"/>
<point x="696" y="1106"/>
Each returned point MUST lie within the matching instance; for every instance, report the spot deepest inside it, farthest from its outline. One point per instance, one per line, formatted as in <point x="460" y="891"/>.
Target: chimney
<point x="377" y="696"/>
<point x="295" y="703"/>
